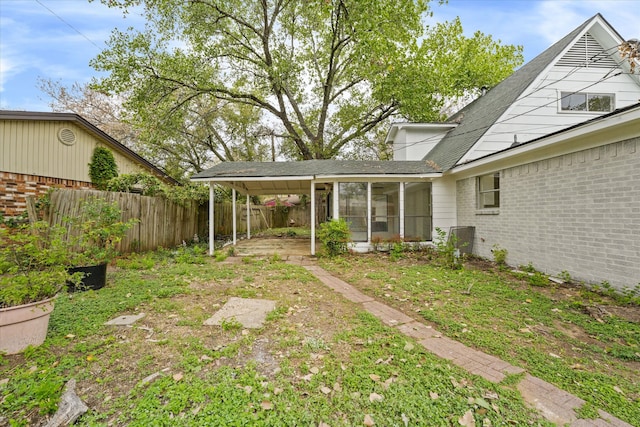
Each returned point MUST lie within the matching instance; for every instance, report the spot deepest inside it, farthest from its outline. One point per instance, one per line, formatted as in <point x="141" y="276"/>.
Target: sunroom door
<point x="417" y="211"/>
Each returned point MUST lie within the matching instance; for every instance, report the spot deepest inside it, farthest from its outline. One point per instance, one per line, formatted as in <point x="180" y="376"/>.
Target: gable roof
<point x="89" y="127"/>
<point x="477" y="117"/>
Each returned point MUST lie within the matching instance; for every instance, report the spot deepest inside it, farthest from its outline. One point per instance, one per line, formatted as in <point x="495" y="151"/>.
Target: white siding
<point x="537" y="112"/>
<point x="415" y="142"/>
<point x="443" y="204"/>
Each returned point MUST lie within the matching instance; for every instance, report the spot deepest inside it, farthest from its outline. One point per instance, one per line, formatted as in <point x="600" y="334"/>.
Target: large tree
<point x="322" y="74"/>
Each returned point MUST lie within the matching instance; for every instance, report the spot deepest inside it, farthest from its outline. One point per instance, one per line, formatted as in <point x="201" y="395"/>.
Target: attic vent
<point x="587" y="52"/>
<point x="66" y="136"/>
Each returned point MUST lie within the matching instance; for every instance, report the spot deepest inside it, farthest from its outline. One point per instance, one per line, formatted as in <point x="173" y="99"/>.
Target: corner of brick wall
<point x="15" y="187"/>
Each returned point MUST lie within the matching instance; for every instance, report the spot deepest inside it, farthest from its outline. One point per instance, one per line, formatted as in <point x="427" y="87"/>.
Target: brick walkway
<point x="554" y="404"/>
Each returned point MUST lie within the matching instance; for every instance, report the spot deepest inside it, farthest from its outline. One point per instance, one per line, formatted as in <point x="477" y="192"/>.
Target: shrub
<point x="446" y="248"/>
<point x="102" y="167"/>
<point x="499" y="254"/>
<point x="334" y="236"/>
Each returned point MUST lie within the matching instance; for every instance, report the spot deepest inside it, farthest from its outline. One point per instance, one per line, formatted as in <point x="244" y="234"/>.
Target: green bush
<point x="102" y="167"/>
<point x="334" y="236"/>
<point x="499" y="254"/>
<point x="446" y="248"/>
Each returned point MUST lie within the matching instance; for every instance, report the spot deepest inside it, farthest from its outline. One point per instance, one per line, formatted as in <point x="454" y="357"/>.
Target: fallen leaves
<point x="266" y="405"/>
<point x="375" y="397"/>
<point x="467" y="419"/>
<point x="368" y="421"/>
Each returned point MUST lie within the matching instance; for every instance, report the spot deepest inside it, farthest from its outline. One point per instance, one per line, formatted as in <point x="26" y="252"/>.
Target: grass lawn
<point x="319" y="360"/>
<point x="584" y="342"/>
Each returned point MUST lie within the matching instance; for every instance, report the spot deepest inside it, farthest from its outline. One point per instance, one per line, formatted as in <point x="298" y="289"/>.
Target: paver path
<point x="554" y="404"/>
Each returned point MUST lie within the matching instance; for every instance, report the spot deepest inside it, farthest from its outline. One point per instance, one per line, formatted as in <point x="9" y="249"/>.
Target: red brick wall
<point x="15" y="187"/>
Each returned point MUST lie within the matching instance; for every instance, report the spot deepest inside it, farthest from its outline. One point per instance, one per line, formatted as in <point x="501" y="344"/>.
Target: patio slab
<point x="250" y="313"/>
<point x="283" y="247"/>
<point x="125" y="320"/>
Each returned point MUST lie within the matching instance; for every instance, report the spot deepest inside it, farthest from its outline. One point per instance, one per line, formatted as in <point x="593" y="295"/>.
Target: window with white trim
<point x="583" y="101"/>
<point x="489" y="191"/>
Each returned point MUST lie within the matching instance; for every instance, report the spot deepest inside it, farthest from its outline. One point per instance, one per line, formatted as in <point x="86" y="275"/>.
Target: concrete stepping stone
<point x="250" y="313"/>
<point x="125" y="320"/>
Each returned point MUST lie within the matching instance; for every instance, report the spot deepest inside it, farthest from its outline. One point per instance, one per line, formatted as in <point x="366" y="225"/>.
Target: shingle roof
<point x="314" y="168"/>
<point x="476" y="118"/>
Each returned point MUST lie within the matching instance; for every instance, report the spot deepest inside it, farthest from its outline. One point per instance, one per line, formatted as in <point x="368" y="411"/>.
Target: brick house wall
<point x="15" y="187"/>
<point x="578" y="212"/>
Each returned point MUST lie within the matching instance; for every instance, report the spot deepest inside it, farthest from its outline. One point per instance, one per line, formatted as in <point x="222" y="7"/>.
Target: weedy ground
<point x="319" y="359"/>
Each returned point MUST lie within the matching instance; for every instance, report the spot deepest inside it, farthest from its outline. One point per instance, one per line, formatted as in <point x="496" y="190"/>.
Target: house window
<point x="581" y="101"/>
<point x="489" y="191"/>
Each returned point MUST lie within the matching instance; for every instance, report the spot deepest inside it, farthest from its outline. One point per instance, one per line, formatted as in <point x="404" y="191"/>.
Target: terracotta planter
<point x="24" y="325"/>
<point x="95" y="277"/>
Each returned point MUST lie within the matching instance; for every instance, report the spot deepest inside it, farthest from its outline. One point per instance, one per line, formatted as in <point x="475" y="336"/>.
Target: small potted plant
<point x="96" y="234"/>
<point x="33" y="270"/>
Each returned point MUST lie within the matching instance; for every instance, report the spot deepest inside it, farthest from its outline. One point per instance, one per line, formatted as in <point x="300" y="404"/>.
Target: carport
<point x="307" y="177"/>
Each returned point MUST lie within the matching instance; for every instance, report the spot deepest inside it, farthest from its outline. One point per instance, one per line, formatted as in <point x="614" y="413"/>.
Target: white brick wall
<point x="578" y="212"/>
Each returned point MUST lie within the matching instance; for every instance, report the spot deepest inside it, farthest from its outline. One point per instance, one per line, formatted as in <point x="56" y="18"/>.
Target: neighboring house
<point x="39" y="151"/>
<point x="545" y="165"/>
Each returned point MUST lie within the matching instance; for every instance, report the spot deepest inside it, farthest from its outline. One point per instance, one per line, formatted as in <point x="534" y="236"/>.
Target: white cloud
<point x="557" y="18"/>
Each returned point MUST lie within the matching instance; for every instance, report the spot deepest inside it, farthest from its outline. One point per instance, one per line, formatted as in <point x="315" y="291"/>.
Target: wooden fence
<point x="162" y="223"/>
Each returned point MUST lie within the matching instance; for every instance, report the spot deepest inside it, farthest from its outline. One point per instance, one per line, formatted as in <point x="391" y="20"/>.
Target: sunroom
<point x="380" y="200"/>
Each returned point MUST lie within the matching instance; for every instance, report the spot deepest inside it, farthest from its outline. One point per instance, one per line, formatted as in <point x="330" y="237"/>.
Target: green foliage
<point x="499" y="255"/>
<point x="587" y="411"/>
<point x="100" y="228"/>
<point x="334" y="236"/>
<point x="529" y="268"/>
<point x="538" y="279"/>
<point x="230" y="324"/>
<point x="33" y="263"/>
<point x="627" y="295"/>
<point x="446" y="248"/>
<point x="565" y="276"/>
<point x="148" y="185"/>
<point x="518" y="323"/>
<point x="397" y="251"/>
<point x="102" y="167"/>
<point x="151" y="186"/>
<point x="343" y="67"/>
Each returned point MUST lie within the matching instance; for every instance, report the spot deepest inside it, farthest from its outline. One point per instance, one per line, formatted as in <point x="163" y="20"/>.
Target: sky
<point x="56" y="39"/>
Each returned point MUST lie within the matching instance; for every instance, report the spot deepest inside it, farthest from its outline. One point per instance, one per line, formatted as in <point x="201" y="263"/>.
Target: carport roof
<point x="295" y="177"/>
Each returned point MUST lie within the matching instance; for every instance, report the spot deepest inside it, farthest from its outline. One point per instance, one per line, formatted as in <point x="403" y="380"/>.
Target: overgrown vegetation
<point x="318" y="359"/>
<point x="446" y="247"/>
<point x="149" y="185"/>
